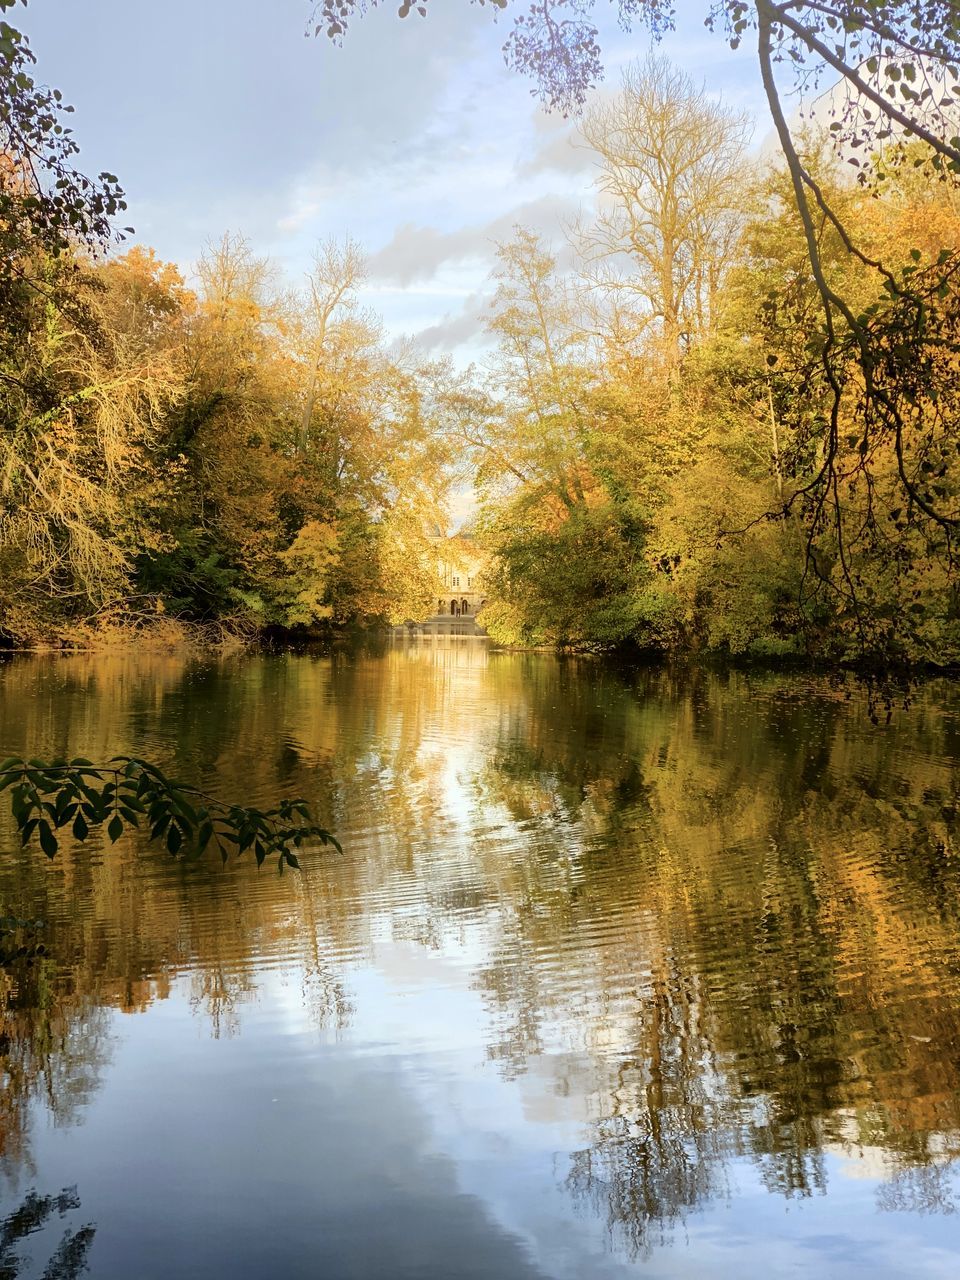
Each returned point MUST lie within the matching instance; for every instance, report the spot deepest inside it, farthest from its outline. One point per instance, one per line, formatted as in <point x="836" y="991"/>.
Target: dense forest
<point x="661" y="454"/>
<point x="228" y="454"/>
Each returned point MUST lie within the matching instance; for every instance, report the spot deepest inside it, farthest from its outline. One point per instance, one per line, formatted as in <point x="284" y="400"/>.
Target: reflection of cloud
<point x="869" y="1163"/>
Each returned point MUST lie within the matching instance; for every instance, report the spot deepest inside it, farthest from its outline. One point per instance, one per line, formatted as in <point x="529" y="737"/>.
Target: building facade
<point x="460" y="566"/>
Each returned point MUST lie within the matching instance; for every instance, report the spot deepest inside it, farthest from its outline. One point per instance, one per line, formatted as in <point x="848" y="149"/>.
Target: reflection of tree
<point x="31" y="1215"/>
<point x="753" y="851"/>
<point x="926" y="1188"/>
<point x="122" y="927"/>
<point x="511" y="980"/>
<point x="724" y="909"/>
<point x="661" y="1150"/>
<point x="53" y="1046"/>
<point x="643" y="1186"/>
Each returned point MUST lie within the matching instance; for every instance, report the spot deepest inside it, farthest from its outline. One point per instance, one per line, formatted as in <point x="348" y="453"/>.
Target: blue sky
<point x="219" y="115"/>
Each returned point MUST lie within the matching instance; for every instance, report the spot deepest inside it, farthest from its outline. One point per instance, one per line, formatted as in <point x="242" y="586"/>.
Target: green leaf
<point x="48" y="841"/>
<point x="185" y="807"/>
<point x="48" y="796"/>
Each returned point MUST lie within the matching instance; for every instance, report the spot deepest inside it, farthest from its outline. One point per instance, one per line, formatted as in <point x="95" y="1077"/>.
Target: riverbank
<point x="177" y="637"/>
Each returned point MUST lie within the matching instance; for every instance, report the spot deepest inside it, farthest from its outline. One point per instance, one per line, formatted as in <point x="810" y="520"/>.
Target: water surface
<point x="621" y="974"/>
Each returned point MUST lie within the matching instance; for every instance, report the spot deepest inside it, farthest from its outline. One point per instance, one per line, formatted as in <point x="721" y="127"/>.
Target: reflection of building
<point x="460" y="565"/>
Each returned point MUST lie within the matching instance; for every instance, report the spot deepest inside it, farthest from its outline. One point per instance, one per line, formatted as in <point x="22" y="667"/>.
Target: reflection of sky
<point x="397" y="1150"/>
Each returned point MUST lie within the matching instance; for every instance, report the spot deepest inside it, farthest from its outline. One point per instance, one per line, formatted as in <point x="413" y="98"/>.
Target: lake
<point x="622" y="973"/>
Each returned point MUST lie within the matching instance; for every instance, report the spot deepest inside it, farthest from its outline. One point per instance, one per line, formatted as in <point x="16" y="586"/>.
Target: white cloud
<point x="456" y="329"/>
<point x="418" y="252"/>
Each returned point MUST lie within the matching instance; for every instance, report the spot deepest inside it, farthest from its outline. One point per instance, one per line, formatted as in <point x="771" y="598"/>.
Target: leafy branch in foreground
<point x="44" y="199"/>
<point x="125" y="792"/>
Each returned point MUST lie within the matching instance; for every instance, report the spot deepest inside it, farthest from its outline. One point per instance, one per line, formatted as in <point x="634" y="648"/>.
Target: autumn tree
<point x="221" y="526"/>
<point x="671" y="186"/>
<point x="541" y="371"/>
<point x="81" y="404"/>
<point x="338" y="271"/>
<point x="564" y="541"/>
<point x="369" y="466"/>
<point x="848" y="571"/>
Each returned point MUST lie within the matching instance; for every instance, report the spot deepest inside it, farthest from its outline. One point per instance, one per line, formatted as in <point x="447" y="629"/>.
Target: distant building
<point x="460" y="566"/>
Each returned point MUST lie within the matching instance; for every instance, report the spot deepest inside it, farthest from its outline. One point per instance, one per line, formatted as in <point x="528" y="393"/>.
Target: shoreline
<point x="869" y="669"/>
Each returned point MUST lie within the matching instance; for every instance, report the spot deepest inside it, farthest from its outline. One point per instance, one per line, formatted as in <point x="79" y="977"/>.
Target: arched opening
<point x="453" y="608"/>
<point x="464" y="608"/>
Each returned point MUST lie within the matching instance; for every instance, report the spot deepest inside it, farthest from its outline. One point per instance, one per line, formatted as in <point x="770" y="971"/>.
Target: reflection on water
<point x="30" y="1217"/>
<point x="620" y="971"/>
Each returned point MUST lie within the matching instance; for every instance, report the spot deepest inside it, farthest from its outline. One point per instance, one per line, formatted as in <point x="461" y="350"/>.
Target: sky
<point x="413" y="137"/>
